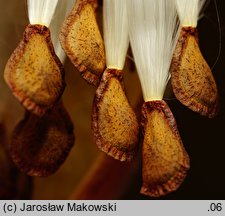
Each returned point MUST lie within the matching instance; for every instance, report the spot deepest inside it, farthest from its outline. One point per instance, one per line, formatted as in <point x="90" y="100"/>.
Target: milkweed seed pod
<point x="40" y="145"/>
<point x="114" y="123"/>
<point x="81" y="39"/>
<point x="153" y="35"/>
<point x="34" y="73"/>
<point x="45" y="140"/>
<point x="165" y="161"/>
<point x="192" y="80"/>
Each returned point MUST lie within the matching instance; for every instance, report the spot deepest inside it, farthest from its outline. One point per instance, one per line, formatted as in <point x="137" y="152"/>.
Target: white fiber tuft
<point x="41" y="11"/>
<point x="189" y="11"/>
<point x="62" y="10"/>
<point x="153" y="30"/>
<point x="115" y="32"/>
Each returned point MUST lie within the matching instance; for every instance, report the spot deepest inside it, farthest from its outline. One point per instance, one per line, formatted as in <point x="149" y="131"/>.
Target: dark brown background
<point x="204" y="139"/>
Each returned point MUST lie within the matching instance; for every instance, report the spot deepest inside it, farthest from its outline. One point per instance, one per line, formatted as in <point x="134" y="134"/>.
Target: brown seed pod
<point x="81" y="40"/>
<point x="34" y="73"/>
<point x="40" y="145"/>
<point x="192" y="80"/>
<point x="165" y="161"/>
<point x="114" y="124"/>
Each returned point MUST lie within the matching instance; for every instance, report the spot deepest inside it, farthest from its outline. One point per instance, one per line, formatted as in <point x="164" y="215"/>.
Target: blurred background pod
<point x="40" y="145"/>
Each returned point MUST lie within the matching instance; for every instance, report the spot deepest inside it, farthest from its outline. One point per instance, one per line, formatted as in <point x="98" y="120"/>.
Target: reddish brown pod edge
<point x="114" y="123"/>
<point x="82" y="41"/>
<point x="191" y="77"/>
<point x="34" y="73"/>
<point x="40" y="145"/>
<point x="165" y="162"/>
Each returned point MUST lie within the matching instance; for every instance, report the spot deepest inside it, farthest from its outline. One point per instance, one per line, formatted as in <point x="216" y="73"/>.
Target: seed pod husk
<point x="114" y="123"/>
<point x="40" y="145"/>
<point x="165" y="162"/>
<point x="82" y="41"/>
<point x="192" y="80"/>
<point x="34" y="73"/>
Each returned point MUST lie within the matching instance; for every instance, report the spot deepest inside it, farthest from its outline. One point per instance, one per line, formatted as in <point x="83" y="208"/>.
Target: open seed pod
<point x="192" y="80"/>
<point x="165" y="161"/>
<point x="81" y="40"/>
<point x="114" y="123"/>
<point x="40" y="145"/>
<point x="34" y="73"/>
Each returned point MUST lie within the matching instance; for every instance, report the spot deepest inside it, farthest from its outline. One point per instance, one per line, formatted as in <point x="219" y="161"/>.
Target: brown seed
<point x="40" y="145"/>
<point x="34" y="73"/>
<point x="165" y="161"/>
<point x="81" y="39"/>
<point x="192" y="80"/>
<point x="114" y="123"/>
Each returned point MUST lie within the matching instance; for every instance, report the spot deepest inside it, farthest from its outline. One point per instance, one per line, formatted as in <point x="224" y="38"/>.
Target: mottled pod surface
<point x="34" y="73"/>
<point x="40" y="145"/>
<point x="165" y="161"/>
<point x="114" y="124"/>
<point x="82" y="41"/>
<point x="192" y="80"/>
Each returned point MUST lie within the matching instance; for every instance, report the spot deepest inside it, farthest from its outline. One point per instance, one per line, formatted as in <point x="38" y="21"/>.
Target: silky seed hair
<point x="115" y="32"/>
<point x="41" y="11"/>
<point x="189" y="11"/>
<point x="153" y="30"/>
<point x="62" y="10"/>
